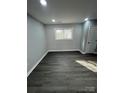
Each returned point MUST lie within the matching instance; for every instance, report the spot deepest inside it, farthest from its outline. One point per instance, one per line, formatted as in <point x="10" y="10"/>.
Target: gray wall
<point x="85" y="27"/>
<point x="63" y="44"/>
<point x="36" y="42"/>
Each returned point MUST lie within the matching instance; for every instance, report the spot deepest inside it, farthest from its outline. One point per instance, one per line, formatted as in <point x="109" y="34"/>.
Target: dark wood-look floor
<point x="59" y="73"/>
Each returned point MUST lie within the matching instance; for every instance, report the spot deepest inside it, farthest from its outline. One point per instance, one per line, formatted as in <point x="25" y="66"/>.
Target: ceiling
<point x="63" y="11"/>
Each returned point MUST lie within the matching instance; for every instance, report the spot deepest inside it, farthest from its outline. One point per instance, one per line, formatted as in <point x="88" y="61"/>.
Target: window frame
<point x="63" y="29"/>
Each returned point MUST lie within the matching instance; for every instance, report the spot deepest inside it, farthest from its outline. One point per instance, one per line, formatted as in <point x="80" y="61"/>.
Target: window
<point x="62" y="34"/>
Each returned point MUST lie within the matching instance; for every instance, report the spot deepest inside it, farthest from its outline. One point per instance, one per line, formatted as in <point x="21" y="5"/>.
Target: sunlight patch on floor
<point x="91" y="65"/>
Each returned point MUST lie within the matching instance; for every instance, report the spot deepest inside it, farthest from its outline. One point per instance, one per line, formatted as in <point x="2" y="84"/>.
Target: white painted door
<point x="91" y="45"/>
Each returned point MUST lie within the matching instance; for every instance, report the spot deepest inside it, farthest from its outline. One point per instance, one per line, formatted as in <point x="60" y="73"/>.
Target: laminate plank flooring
<point x="59" y="73"/>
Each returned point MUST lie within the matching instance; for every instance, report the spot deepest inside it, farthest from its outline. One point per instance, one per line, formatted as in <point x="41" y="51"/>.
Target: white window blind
<point x="62" y="34"/>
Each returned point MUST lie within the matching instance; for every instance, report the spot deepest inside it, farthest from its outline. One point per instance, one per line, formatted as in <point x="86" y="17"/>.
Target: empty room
<point x="61" y="46"/>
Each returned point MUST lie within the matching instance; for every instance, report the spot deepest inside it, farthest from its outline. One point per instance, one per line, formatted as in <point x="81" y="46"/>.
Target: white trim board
<point x="29" y="72"/>
<point x="86" y="52"/>
<point x="63" y="50"/>
<point x="82" y="52"/>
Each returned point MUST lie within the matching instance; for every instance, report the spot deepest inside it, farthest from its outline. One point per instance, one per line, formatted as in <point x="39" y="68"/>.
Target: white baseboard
<point x="36" y="64"/>
<point x="82" y="52"/>
<point x="87" y="53"/>
<point x="63" y="50"/>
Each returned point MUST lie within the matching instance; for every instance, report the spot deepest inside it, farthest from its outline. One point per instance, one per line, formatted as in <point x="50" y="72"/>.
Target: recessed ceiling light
<point x="43" y="2"/>
<point x="53" y="20"/>
<point x="86" y="19"/>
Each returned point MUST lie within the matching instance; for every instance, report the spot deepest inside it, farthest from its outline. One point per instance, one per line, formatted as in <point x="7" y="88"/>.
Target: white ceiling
<point x="63" y="11"/>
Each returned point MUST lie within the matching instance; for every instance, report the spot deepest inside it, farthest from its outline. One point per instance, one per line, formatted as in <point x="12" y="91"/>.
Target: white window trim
<point x="63" y="29"/>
